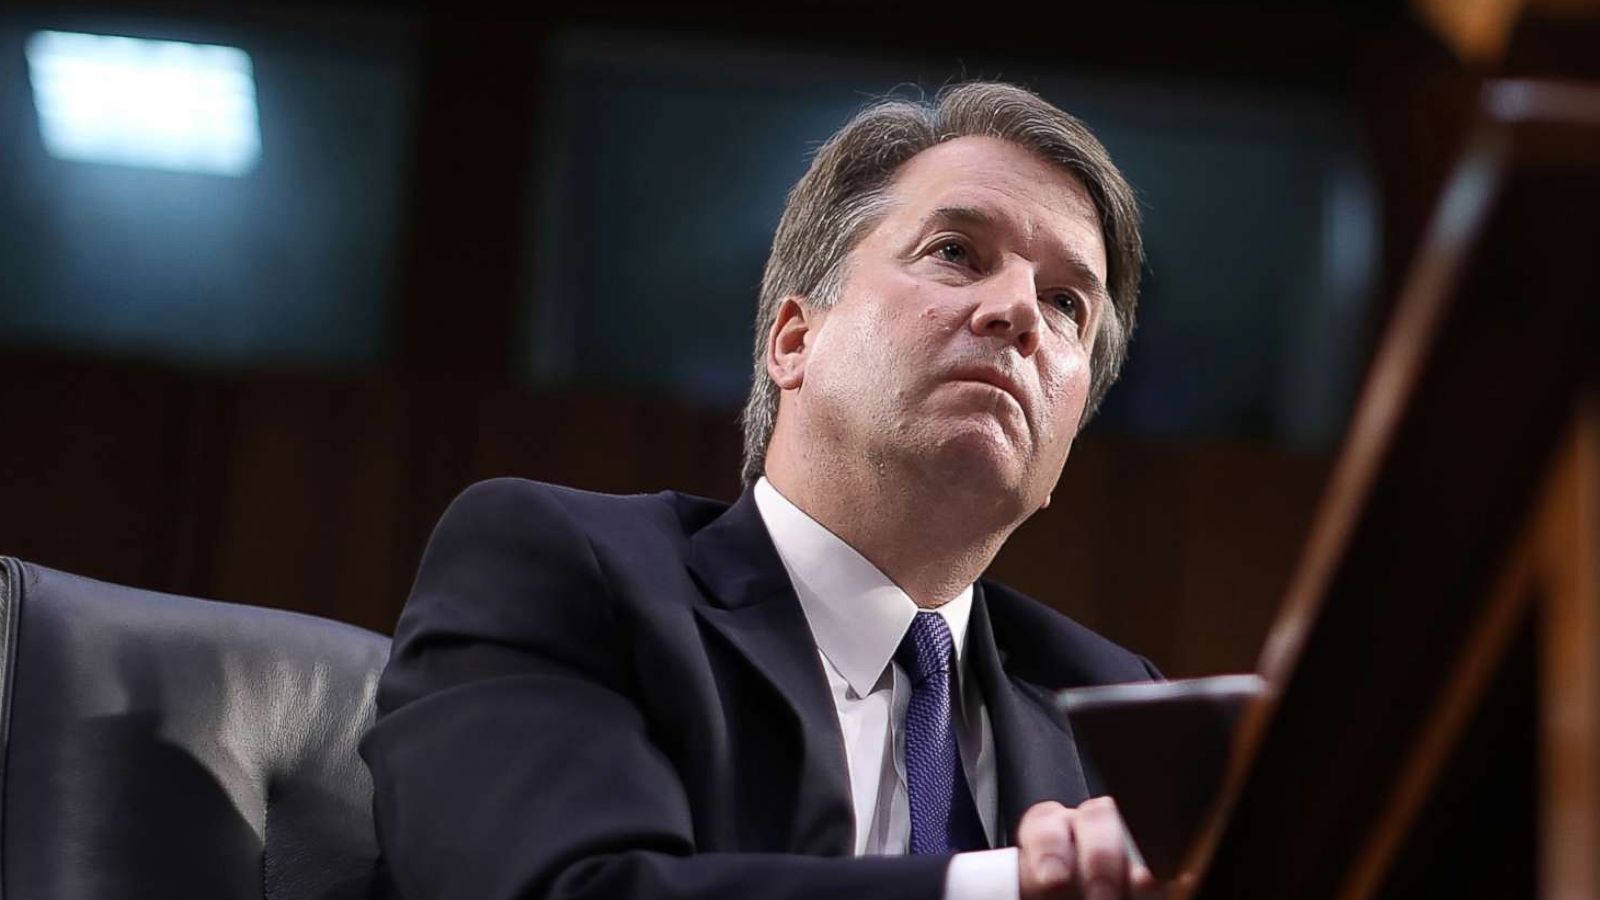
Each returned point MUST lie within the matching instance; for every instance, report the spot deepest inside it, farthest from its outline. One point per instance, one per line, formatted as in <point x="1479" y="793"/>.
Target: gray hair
<point x="843" y="196"/>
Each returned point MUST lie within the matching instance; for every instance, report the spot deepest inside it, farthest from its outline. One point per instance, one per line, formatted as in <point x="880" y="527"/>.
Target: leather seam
<point x="267" y="881"/>
<point x="11" y="586"/>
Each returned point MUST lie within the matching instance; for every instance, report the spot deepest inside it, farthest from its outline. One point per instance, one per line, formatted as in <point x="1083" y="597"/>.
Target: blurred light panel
<point x="135" y="102"/>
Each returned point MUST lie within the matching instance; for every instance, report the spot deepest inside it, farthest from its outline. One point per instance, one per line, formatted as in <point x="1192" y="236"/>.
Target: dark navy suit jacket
<point x="618" y="697"/>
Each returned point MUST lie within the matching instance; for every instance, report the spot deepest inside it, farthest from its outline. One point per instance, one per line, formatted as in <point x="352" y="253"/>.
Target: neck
<point x="931" y="536"/>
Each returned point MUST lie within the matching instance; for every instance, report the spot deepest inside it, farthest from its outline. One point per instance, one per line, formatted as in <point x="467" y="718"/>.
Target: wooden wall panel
<point x="310" y="499"/>
<point x="1181" y="551"/>
<point x="317" y="494"/>
<point x="90" y="463"/>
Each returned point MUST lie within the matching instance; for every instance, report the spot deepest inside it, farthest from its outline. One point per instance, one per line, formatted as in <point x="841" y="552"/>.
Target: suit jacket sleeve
<point x="508" y="759"/>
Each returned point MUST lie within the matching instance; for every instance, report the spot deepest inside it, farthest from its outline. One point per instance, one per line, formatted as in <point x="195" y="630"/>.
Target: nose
<point x="1009" y="308"/>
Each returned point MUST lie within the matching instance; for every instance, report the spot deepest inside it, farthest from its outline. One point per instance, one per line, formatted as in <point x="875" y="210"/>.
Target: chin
<point x="978" y="460"/>
<point x="984" y="437"/>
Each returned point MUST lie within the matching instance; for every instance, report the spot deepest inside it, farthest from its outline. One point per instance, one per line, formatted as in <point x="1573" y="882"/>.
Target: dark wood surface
<point x="1478" y="381"/>
<point x="1568" y="563"/>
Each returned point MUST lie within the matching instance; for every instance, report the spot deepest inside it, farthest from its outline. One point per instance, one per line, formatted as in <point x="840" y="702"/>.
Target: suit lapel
<point x="755" y="609"/>
<point x="1035" y="754"/>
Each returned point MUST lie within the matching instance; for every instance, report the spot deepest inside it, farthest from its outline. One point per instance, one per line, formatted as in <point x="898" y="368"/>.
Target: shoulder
<point x="506" y="541"/>
<point x="511" y="508"/>
<point x="553" y="541"/>
<point x="517" y="497"/>
<point x="516" y="566"/>
<point x="1047" y="647"/>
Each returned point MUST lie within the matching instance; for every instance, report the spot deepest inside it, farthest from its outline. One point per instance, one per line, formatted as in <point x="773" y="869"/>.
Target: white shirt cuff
<point x="983" y="875"/>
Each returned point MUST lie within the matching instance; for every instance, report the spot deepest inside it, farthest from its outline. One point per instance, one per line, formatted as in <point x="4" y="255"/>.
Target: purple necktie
<point x="943" y="817"/>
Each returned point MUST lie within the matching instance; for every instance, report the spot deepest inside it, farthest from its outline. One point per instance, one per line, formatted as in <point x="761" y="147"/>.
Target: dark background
<point x="488" y="245"/>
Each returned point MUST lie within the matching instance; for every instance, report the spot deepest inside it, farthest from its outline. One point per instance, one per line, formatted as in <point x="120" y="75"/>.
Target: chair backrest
<point x="161" y="746"/>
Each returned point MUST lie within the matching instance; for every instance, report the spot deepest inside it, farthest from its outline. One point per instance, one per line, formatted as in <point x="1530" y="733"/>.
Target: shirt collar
<point x="857" y="615"/>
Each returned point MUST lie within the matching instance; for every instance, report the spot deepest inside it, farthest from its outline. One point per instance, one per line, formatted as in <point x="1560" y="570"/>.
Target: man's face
<point x="961" y="339"/>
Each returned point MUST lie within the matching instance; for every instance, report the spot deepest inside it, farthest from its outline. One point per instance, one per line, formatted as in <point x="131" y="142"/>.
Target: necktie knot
<point x="927" y="649"/>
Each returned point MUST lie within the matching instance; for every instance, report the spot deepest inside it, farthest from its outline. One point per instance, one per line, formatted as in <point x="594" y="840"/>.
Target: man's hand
<point x="1078" y="853"/>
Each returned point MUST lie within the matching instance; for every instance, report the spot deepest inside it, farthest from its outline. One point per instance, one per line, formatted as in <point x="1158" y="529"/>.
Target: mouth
<point x="994" y="378"/>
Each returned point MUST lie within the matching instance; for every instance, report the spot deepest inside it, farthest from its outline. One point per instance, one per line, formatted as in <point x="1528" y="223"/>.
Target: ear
<point x="788" y="343"/>
<point x="1046" y="503"/>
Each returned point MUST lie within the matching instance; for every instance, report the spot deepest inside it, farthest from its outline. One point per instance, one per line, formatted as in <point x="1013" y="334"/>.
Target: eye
<point x="953" y="251"/>
<point x="1069" y="304"/>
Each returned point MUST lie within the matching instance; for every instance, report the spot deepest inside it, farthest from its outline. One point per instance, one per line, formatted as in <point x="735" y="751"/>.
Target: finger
<point x="1142" y="883"/>
<point x="1043" y="809"/>
<point x="1044" y="837"/>
<point x="1040" y="823"/>
<point x="1055" y="865"/>
<point x="1102" y="851"/>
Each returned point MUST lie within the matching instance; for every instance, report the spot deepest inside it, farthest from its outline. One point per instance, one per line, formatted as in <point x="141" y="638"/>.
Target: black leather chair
<point x="161" y="746"/>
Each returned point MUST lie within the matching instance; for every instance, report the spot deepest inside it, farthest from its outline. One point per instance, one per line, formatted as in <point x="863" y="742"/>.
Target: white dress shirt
<point x="858" y="618"/>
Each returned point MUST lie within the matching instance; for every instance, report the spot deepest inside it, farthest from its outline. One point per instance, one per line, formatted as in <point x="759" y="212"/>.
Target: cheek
<point x="1065" y="386"/>
<point x="881" y="336"/>
<point x="908" y="322"/>
<point x="855" y="356"/>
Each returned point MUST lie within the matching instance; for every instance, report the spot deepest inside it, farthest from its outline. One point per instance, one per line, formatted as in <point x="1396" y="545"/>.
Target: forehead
<point x="1038" y="200"/>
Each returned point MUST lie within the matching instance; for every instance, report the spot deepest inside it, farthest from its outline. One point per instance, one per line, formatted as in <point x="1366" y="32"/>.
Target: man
<point x="811" y="693"/>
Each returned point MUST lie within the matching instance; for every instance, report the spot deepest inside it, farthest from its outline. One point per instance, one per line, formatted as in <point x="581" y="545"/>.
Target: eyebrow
<point x="977" y="218"/>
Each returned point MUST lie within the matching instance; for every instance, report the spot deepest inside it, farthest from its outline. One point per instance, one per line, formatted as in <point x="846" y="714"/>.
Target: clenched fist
<point x="1078" y="853"/>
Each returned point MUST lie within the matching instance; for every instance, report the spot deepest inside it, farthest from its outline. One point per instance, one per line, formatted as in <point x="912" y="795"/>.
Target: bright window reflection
<point x="135" y="102"/>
